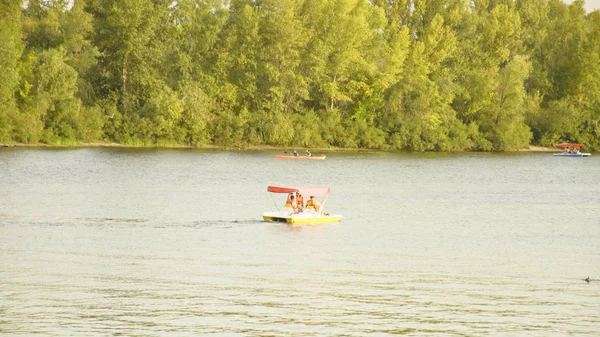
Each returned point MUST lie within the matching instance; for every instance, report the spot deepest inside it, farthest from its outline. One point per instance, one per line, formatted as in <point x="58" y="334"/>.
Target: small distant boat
<point x="307" y="216"/>
<point x="571" y="150"/>
<point x="291" y="156"/>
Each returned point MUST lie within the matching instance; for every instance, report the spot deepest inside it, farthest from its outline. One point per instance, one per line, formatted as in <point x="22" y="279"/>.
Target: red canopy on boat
<point x="569" y="145"/>
<point x="306" y="191"/>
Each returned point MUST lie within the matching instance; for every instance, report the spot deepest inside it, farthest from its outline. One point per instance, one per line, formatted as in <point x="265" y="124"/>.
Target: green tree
<point x="337" y="54"/>
<point x="10" y="52"/>
<point x="131" y="38"/>
<point x="280" y="85"/>
<point x="128" y="40"/>
<point x="571" y="62"/>
<point x="41" y="23"/>
<point x="77" y="27"/>
<point x="419" y="116"/>
<point x="49" y="108"/>
<point x="197" y="115"/>
<point x="195" y="30"/>
<point x="505" y="122"/>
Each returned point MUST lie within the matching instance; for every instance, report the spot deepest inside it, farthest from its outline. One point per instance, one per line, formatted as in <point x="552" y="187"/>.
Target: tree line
<point x="420" y="75"/>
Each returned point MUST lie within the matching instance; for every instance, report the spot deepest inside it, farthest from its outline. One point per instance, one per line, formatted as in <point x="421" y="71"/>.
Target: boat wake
<point x="11" y="219"/>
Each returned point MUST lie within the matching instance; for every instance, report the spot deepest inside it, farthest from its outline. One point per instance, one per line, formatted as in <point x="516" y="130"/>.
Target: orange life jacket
<point x="289" y="203"/>
<point x="311" y="204"/>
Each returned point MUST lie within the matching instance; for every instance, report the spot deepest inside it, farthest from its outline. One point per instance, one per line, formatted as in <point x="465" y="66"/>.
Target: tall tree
<point x="418" y="110"/>
<point x="281" y="86"/>
<point x="10" y="52"/>
<point x="337" y="53"/>
<point x="127" y="37"/>
<point x="565" y="60"/>
<point x="197" y="25"/>
<point x="130" y="37"/>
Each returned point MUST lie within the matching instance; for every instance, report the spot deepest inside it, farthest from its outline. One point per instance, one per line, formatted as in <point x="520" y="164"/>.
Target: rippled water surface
<point x="106" y="242"/>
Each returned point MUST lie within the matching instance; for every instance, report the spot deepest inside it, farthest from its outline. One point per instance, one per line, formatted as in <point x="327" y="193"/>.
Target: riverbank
<point x="205" y="147"/>
<point x="534" y="148"/>
<point x="530" y="148"/>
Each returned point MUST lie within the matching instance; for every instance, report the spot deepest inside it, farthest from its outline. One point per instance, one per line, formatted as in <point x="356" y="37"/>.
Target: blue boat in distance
<point x="571" y="150"/>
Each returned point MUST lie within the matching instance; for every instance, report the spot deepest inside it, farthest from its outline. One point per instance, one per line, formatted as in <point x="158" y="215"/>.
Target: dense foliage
<point x="442" y="75"/>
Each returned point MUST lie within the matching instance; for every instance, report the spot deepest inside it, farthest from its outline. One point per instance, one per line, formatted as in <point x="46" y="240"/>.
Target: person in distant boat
<point x="299" y="202"/>
<point x="576" y="150"/>
<point x="290" y="204"/>
<point x="312" y="204"/>
<point x="295" y="153"/>
<point x="308" y="154"/>
<point x="567" y="150"/>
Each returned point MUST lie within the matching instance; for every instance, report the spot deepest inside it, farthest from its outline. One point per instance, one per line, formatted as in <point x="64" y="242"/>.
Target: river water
<point x="151" y="242"/>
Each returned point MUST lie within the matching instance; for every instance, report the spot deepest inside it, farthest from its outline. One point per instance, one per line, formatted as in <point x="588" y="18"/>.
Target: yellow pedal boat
<point x="304" y="216"/>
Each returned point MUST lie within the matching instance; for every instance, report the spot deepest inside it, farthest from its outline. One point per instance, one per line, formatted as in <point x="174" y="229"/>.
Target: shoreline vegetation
<point x="416" y="76"/>
<point x="530" y="148"/>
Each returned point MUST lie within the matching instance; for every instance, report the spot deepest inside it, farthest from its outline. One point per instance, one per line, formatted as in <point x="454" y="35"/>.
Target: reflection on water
<point x="97" y="242"/>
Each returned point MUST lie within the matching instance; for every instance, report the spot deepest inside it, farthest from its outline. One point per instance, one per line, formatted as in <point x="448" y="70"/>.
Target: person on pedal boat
<point x="312" y="204"/>
<point x="299" y="202"/>
<point x="290" y="204"/>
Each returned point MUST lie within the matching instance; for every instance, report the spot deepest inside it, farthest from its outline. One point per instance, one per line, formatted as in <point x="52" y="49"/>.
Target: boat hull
<point x="280" y="156"/>
<point x="572" y="154"/>
<point x="301" y="218"/>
